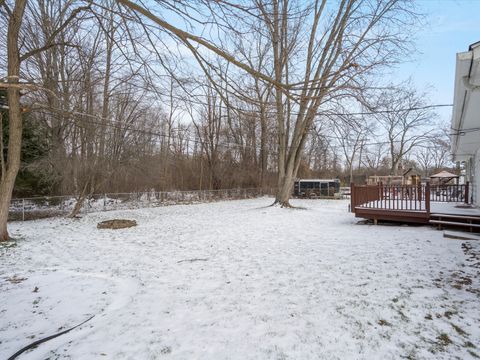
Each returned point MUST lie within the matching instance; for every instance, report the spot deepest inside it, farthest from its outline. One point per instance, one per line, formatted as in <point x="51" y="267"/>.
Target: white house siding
<point x="466" y="117"/>
<point x="475" y="179"/>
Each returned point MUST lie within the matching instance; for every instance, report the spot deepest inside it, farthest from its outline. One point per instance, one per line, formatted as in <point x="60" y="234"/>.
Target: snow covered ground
<point x="239" y="280"/>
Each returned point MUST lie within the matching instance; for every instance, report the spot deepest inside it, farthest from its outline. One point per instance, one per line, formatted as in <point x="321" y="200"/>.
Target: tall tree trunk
<point x="12" y="165"/>
<point x="394" y="168"/>
<point x="284" y="190"/>
<point x="80" y="201"/>
<point x="291" y="164"/>
<point x="263" y="147"/>
<point x="351" y="172"/>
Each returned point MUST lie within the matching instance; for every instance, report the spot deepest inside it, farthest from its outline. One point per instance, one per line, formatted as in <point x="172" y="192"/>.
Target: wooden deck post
<point x="427" y="198"/>
<point x="467" y="188"/>
<point x="352" y="197"/>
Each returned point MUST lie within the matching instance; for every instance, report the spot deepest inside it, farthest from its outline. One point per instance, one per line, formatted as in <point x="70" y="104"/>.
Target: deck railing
<point x="449" y="193"/>
<point x="405" y="197"/>
<point x="364" y="194"/>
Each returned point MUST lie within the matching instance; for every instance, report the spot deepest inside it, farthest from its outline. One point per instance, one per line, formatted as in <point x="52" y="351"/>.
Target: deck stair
<point x="460" y="235"/>
<point x="466" y="222"/>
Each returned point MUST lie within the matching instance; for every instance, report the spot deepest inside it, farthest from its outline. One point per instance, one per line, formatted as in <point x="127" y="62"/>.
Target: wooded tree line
<point x="119" y="96"/>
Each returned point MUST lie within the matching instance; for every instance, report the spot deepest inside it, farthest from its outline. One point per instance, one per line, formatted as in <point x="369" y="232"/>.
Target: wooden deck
<point x="423" y="204"/>
<point x="406" y="216"/>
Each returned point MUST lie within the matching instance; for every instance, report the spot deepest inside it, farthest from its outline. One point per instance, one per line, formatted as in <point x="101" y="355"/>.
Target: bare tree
<point x="351" y="135"/>
<point x="435" y="152"/>
<point x="441" y="149"/>
<point x="317" y="51"/>
<point x="332" y="61"/>
<point x="11" y="166"/>
<point x="15" y="57"/>
<point x="209" y="129"/>
<point x="406" y="121"/>
<point x="271" y="69"/>
<point x="374" y="156"/>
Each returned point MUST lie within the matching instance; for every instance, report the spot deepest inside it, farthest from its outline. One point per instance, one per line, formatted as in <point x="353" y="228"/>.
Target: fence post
<point x="23" y="209"/>
<point x="467" y="188"/>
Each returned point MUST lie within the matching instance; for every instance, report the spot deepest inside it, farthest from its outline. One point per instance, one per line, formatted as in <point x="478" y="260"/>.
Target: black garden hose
<point x="35" y="343"/>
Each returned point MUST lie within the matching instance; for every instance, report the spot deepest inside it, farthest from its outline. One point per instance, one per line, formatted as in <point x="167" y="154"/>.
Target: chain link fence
<point x="50" y="206"/>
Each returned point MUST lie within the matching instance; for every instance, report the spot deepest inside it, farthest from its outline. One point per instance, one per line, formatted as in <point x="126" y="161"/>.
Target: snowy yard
<point x="238" y="280"/>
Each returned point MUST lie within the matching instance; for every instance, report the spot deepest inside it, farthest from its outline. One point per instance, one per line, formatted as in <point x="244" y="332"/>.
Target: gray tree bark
<point x="12" y="165"/>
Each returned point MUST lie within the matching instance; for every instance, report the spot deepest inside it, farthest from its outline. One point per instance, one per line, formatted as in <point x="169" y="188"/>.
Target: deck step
<point x="460" y="235"/>
<point x="455" y="216"/>
<point x="454" y="223"/>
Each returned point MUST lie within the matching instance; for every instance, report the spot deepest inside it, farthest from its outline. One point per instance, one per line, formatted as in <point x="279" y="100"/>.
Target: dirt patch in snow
<point x="116" y="224"/>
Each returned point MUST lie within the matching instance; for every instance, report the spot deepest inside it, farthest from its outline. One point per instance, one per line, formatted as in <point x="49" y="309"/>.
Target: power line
<point x="193" y="99"/>
<point x="463" y="132"/>
<point x="393" y="111"/>
<point x="228" y="145"/>
<point x="188" y="137"/>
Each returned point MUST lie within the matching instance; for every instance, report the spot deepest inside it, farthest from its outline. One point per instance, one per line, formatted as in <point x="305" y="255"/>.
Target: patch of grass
<point x="464" y="280"/>
<point x="15" y="279"/>
<point x="403" y="316"/>
<point x="409" y="356"/>
<point x="383" y="322"/>
<point x="444" y="339"/>
<point x="473" y="354"/>
<point x="459" y="330"/>
<point x="8" y="244"/>
<point x="166" y="350"/>
<point x="468" y="344"/>
<point x="449" y="314"/>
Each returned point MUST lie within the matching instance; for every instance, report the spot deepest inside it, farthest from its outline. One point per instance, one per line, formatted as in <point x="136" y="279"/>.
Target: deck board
<point x="408" y="216"/>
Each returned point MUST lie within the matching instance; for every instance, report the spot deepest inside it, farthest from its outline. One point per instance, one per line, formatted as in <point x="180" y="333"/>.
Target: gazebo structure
<point x="444" y="178"/>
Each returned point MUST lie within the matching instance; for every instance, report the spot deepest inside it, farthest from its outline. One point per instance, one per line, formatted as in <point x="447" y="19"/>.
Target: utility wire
<point x="189" y="138"/>
<point x="228" y="145"/>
